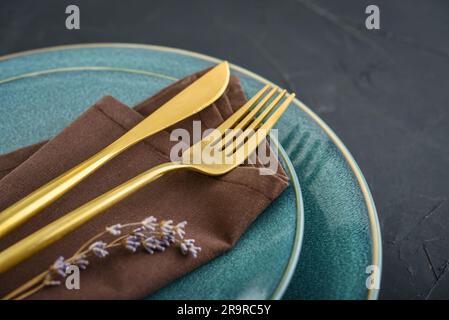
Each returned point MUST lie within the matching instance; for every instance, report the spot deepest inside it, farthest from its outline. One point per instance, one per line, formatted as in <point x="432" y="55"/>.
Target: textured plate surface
<point x="41" y="93"/>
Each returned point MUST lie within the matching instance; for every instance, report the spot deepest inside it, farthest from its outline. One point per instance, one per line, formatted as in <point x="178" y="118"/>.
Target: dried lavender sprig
<point x="150" y="234"/>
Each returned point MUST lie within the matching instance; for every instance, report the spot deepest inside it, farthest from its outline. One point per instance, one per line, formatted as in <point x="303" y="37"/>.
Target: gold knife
<point x="191" y="100"/>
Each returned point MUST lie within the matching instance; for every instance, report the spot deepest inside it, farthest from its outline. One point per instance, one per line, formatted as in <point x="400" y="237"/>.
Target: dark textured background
<point x="385" y="93"/>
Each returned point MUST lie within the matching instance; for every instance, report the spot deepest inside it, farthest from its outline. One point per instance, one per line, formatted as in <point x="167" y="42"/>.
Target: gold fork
<point x="248" y="132"/>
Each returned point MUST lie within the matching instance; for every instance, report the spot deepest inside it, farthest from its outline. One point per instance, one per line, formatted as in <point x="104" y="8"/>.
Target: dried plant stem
<point x="26" y="286"/>
<point x="86" y="244"/>
<point x="30" y="292"/>
<point x="151" y="235"/>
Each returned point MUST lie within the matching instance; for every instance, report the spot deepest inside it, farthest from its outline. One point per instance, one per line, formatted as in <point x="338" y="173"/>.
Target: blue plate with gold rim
<point x="341" y="252"/>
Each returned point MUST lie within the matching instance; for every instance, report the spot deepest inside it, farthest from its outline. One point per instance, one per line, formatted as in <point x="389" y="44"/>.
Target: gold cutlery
<point x="191" y="100"/>
<point x="252" y="126"/>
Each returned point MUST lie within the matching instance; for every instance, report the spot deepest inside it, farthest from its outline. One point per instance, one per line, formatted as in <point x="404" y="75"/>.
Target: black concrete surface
<point x="385" y="92"/>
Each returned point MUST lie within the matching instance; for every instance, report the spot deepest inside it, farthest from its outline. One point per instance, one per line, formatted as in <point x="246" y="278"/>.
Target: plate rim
<point x="292" y="263"/>
<point x="376" y="239"/>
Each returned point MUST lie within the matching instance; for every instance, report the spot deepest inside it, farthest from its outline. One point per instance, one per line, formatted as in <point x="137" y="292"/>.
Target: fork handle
<point x="71" y="221"/>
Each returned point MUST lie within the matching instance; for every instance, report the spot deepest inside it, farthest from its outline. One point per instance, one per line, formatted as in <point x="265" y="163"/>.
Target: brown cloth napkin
<point x="218" y="209"/>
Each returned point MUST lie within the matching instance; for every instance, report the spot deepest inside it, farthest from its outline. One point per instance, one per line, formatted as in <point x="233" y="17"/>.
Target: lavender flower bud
<point x="99" y="249"/>
<point x="150" y="223"/>
<point x="154" y="244"/>
<point x="188" y="246"/>
<point x="139" y="235"/>
<point x="180" y="229"/>
<point x="132" y="243"/>
<point x="60" y="266"/>
<point x="184" y="248"/>
<point x="81" y="262"/>
<point x="115" y="230"/>
<point x="139" y="229"/>
<point x="168" y="240"/>
<point x="167" y="228"/>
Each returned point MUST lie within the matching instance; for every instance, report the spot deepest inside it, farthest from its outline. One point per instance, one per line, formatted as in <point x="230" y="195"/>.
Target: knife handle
<point x="27" y="207"/>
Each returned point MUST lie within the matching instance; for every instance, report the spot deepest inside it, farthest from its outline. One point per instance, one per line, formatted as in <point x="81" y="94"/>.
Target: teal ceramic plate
<point x="342" y="243"/>
<point x="42" y="92"/>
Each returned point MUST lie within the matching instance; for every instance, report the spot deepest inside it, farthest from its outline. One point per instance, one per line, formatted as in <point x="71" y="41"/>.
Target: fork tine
<point x="247" y="119"/>
<point x="243" y="151"/>
<point x="218" y="133"/>
<point x="271" y="121"/>
<point x="242" y="111"/>
<point x="256" y="122"/>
